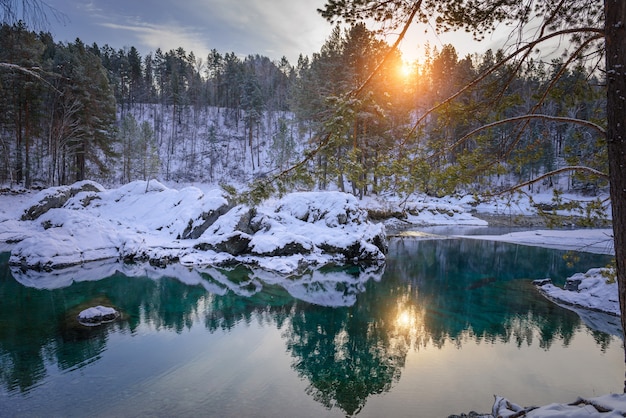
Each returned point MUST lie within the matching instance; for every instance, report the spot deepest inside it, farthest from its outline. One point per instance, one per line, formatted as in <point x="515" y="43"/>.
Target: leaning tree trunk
<point x="615" y="37"/>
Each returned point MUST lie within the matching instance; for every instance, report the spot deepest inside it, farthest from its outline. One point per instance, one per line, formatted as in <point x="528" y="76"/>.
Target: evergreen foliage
<point x="116" y="116"/>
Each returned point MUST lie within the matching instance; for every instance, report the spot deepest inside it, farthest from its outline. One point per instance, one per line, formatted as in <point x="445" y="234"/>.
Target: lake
<point x="443" y="327"/>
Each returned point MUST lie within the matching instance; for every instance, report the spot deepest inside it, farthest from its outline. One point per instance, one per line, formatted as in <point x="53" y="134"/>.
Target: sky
<point x="267" y="27"/>
<point x="273" y="28"/>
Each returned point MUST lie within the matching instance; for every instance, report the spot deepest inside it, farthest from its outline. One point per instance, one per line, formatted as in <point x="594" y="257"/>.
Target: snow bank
<point x="440" y="213"/>
<point x="597" y="241"/>
<point x="73" y="225"/>
<point x="593" y="290"/>
<point x="612" y="405"/>
<point x="422" y="211"/>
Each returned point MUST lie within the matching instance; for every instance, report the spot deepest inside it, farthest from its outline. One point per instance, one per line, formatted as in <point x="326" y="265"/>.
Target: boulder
<point x="235" y="243"/>
<point x="56" y="197"/>
<point x="97" y="315"/>
<point x="208" y="219"/>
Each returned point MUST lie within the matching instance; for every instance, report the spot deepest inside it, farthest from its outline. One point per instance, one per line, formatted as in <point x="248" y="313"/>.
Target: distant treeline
<point x="72" y="111"/>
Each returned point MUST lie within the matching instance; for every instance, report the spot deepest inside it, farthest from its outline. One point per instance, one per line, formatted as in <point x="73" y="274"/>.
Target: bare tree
<point x="35" y="13"/>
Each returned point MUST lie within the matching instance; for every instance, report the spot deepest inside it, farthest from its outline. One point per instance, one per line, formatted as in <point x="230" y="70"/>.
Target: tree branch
<point x="393" y="48"/>
<point x="29" y="71"/>
<point x="527" y="117"/>
<point x="590" y="170"/>
<point x="599" y="33"/>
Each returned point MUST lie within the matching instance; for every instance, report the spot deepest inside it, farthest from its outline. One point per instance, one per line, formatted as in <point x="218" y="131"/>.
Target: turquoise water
<point x="447" y="325"/>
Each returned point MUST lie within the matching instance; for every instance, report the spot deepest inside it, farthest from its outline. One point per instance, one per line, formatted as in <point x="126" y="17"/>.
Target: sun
<point x="404" y="320"/>
<point x="406" y="69"/>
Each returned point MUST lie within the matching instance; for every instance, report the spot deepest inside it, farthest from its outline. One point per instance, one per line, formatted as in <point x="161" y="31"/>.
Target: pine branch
<point x="599" y="34"/>
<point x="29" y="71"/>
<point x="393" y="48"/>
<point x="590" y="170"/>
<point x="550" y="86"/>
<point x="526" y="117"/>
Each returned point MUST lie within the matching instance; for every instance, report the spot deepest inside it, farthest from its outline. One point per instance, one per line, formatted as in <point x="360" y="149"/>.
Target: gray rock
<point x="208" y="218"/>
<point x="235" y="244"/>
<point x="290" y="248"/>
<point x="57" y="197"/>
<point x="572" y="284"/>
<point x="246" y="224"/>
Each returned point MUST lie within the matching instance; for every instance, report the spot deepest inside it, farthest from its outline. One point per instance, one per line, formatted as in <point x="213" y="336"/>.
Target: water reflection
<point x="348" y="331"/>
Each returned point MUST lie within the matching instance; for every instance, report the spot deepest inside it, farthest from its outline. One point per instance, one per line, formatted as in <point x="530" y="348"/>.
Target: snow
<point x="597" y="291"/>
<point x="97" y="315"/>
<point x="597" y="241"/>
<point x="95" y="312"/>
<point x="612" y="405"/>
<point x="141" y="221"/>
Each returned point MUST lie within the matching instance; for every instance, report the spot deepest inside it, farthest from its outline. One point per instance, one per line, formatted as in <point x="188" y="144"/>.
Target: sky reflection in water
<point x="448" y="325"/>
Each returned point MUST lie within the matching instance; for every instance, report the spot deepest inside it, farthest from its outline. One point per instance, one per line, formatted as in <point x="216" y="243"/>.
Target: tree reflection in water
<point x="432" y="293"/>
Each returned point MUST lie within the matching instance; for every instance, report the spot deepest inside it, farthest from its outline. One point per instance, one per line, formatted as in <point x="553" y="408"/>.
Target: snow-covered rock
<point x="612" y="405"/>
<point x="97" y="315"/>
<point x="150" y="222"/>
<point x="56" y="197"/>
<point x="592" y="290"/>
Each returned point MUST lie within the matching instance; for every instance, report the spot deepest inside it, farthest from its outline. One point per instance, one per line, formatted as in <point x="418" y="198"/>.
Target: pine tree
<point x="22" y="91"/>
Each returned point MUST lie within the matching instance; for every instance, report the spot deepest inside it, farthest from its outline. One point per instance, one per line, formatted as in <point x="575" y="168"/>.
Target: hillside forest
<point x="74" y="111"/>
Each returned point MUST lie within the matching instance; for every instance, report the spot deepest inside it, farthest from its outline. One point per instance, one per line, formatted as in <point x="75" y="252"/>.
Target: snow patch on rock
<point x="97" y="315"/>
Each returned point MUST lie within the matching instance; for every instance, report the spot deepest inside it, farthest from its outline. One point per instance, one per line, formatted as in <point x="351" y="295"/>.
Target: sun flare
<point x="404" y="320"/>
<point x="406" y="69"/>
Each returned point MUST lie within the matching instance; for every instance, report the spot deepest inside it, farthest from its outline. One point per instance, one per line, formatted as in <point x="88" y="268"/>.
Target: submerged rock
<point x="97" y="315"/>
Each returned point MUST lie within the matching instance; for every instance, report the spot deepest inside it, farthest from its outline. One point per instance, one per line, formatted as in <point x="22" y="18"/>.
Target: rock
<point x="97" y="315"/>
<point x="288" y="249"/>
<point x="351" y="252"/>
<point x="542" y="282"/>
<point x="56" y="197"/>
<point x="572" y="284"/>
<point x="235" y="243"/>
<point x="246" y="224"/>
<point x="472" y="414"/>
<point x="380" y="241"/>
<point x="208" y="218"/>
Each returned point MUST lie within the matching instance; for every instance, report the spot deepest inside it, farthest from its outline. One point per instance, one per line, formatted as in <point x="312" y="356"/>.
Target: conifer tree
<point x="593" y="28"/>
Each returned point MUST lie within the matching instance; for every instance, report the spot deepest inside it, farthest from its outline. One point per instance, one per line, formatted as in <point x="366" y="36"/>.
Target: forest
<point x="74" y="111"/>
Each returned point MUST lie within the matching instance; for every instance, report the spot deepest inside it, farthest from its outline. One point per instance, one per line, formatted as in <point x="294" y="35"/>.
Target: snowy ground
<point x="158" y="222"/>
<point x="73" y="225"/>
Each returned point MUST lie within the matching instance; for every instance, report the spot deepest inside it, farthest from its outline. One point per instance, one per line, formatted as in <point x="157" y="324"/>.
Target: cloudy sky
<point x="268" y="27"/>
<point x="273" y="28"/>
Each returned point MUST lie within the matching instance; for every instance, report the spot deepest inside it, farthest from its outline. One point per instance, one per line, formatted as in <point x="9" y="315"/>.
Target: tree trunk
<point x="27" y="174"/>
<point x="615" y="37"/>
<point x="250" y="144"/>
<point x="81" y="155"/>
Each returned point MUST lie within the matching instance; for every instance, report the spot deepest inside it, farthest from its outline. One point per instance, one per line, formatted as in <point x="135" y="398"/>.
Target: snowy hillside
<point x="209" y="144"/>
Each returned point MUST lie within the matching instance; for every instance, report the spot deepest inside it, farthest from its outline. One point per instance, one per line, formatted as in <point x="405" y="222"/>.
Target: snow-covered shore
<point x="72" y="225"/>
